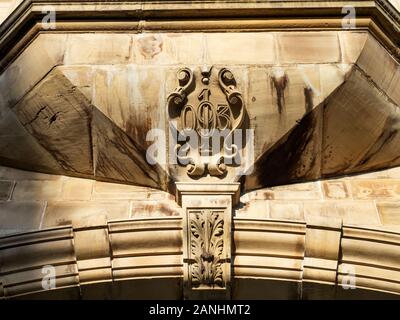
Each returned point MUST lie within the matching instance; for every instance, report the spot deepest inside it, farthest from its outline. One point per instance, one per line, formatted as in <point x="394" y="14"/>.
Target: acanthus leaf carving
<point x="206" y="247"/>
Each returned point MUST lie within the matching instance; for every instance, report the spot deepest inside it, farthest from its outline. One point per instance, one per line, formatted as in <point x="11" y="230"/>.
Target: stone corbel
<point x="207" y="238"/>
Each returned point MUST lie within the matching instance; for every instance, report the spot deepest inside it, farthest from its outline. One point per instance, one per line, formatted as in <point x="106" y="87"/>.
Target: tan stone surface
<point x="72" y="212"/>
<point x="285" y="210"/>
<point x="240" y="48"/>
<point x="351" y="44"/>
<point x="254" y="209"/>
<point x="352" y="212"/>
<point x="310" y="47"/>
<point x="388" y="80"/>
<point x="336" y="190"/>
<point x="77" y="189"/>
<point x="8" y="173"/>
<point x="18" y="148"/>
<point x="118" y="157"/>
<point x="169" y="49"/>
<point x="79" y="101"/>
<point x="37" y="190"/>
<point x="128" y="94"/>
<point x="376" y="189"/>
<point x="154" y="209"/>
<point x="97" y="48"/>
<point x="310" y="190"/>
<point x="20" y="216"/>
<point x="320" y="261"/>
<point x="389" y="212"/>
<point x="30" y="67"/>
<point x="58" y="116"/>
<point x="374" y="146"/>
<point x="106" y="190"/>
<point x="23" y="256"/>
<point x="81" y="77"/>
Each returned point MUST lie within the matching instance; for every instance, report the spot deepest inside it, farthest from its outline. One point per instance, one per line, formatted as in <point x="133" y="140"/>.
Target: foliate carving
<point x="204" y="116"/>
<point x="206" y="247"/>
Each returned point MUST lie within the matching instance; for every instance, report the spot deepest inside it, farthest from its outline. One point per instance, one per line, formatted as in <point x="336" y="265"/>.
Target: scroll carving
<point x="206" y="114"/>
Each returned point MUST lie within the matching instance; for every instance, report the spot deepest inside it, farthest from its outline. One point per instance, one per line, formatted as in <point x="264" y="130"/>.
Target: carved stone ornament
<point x="207" y="247"/>
<point x="205" y="110"/>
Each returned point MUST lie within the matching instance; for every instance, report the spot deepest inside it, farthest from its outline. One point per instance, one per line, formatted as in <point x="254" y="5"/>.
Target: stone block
<point x="45" y="52"/>
<point x="37" y="190"/>
<point x="81" y="77"/>
<point x="168" y="49"/>
<point x="126" y="95"/>
<point x="278" y="98"/>
<point x="351" y="112"/>
<point x="20" y="216"/>
<point x="91" y="244"/>
<point x="254" y="209"/>
<point x="285" y="210"/>
<point x="6" y="188"/>
<point x="58" y="116"/>
<point x="351" y="44"/>
<point x="335" y="190"/>
<point x="393" y="173"/>
<point x="389" y="212"/>
<point x="98" y="48"/>
<point x="8" y="173"/>
<point x="77" y="189"/>
<point x="332" y="76"/>
<point x="81" y="214"/>
<point x="308" y="47"/>
<point x="107" y="190"/>
<point x="351" y="212"/>
<point x="120" y="158"/>
<point x="300" y="191"/>
<point x="19" y="149"/>
<point x="386" y="73"/>
<point x="154" y="209"/>
<point x="376" y="188"/>
<point x="358" y="212"/>
<point x="240" y="48"/>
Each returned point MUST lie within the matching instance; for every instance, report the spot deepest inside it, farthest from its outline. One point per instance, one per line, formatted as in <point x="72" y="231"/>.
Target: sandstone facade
<point x="314" y="200"/>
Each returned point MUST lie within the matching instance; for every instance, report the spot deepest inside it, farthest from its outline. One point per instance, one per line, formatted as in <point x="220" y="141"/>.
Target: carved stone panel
<point x="208" y="253"/>
<point x="207" y="236"/>
<point x="206" y="111"/>
<point x="206" y="248"/>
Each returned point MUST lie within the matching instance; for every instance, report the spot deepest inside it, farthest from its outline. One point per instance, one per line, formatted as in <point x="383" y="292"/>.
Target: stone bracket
<point x="207" y="234"/>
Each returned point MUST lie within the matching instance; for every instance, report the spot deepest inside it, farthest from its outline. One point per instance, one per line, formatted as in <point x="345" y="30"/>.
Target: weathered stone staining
<point x="304" y="204"/>
<point x="319" y="145"/>
<point x="58" y="116"/>
<point x="203" y="122"/>
<point x="276" y="99"/>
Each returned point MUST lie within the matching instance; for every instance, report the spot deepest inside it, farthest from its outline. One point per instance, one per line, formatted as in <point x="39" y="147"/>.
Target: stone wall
<point x="76" y="104"/>
<point x="371" y="199"/>
<point x="107" y="240"/>
<point x="33" y="201"/>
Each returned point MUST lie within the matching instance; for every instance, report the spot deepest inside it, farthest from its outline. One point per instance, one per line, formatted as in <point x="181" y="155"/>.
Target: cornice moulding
<point x="180" y="16"/>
